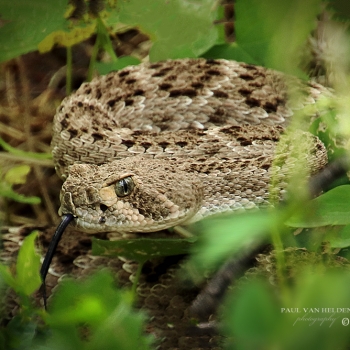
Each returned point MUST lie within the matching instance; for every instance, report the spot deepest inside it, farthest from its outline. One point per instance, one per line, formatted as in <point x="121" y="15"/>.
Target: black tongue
<point x="66" y="219"/>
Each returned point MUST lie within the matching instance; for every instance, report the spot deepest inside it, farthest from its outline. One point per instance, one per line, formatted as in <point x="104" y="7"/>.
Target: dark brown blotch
<point x="252" y="102"/>
<point x="197" y="85"/>
<point x="183" y="92"/>
<point x="165" y="86"/>
<point x="98" y="93"/>
<point x="244" y="141"/>
<point x="246" y="77"/>
<point x="165" y="70"/>
<point x="220" y="111"/>
<point x="270" y="107"/>
<point x="182" y="143"/>
<point x="163" y="144"/>
<point x="97" y="137"/>
<point x="220" y="94"/>
<point x="249" y="66"/>
<point x="129" y="102"/>
<point x="155" y="65"/>
<point x="138" y="92"/>
<point x="73" y="133"/>
<point x="111" y="103"/>
<point x="213" y="72"/>
<point x="123" y="73"/>
<point x="219" y="116"/>
<point x="64" y="123"/>
<point x="146" y="145"/>
<point x="128" y="143"/>
<point x="245" y="92"/>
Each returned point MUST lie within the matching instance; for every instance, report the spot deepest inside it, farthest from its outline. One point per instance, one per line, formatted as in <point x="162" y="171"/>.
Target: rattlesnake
<point x="170" y="143"/>
<point x="157" y="145"/>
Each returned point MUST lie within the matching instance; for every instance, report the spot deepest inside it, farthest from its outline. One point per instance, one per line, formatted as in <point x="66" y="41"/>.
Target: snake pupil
<point x="124" y="186"/>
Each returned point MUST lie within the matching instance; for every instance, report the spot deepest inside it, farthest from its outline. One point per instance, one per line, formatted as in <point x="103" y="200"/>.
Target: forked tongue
<point x="66" y="219"/>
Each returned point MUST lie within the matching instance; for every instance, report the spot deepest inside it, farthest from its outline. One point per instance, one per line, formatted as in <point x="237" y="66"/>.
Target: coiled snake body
<point x="169" y="143"/>
<point x="157" y="145"/>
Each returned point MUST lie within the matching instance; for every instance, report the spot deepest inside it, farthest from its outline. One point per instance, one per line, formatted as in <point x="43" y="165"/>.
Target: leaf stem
<point x="69" y="70"/>
<point x="93" y="58"/>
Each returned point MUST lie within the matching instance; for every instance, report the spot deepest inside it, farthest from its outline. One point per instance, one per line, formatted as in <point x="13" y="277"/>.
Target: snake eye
<point x="124" y="187"/>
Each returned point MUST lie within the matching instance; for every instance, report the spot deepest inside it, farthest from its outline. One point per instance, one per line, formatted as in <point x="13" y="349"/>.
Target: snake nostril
<point x="103" y="207"/>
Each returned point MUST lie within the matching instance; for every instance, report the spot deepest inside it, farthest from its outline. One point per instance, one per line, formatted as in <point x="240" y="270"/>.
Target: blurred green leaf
<point x="310" y="318"/>
<point x="28" y="266"/>
<point x="331" y="208"/>
<point x="273" y="32"/>
<point x="178" y="28"/>
<point x="25" y="154"/>
<point x="7" y="192"/>
<point x="142" y="249"/>
<point x="27" y="23"/>
<point x="17" y="175"/>
<point x="253" y="317"/>
<point x="343" y="238"/>
<point x="20" y="333"/>
<point x="7" y="276"/>
<point x="67" y="38"/>
<point x="105" y="312"/>
<point x="225" y="236"/>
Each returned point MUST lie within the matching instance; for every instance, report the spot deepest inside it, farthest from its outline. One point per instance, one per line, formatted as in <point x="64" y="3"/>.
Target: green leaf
<point x="342" y="240"/>
<point x="20" y="333"/>
<point x="178" y="28"/>
<point x="18" y="152"/>
<point x="254" y="318"/>
<point x="228" y="235"/>
<point x="141" y="249"/>
<point x="308" y="316"/>
<point x="17" y="175"/>
<point x="332" y="208"/>
<point x="105" y="311"/>
<point x="7" y="192"/>
<point x="27" y="23"/>
<point x="7" y="276"/>
<point x="67" y="38"/>
<point x="28" y="265"/>
<point x="274" y="31"/>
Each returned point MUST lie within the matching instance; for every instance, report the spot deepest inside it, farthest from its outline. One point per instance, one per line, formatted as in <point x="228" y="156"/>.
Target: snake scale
<point x="170" y="143"/>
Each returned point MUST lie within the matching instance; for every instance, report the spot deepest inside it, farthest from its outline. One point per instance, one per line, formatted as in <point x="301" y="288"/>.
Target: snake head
<point x="135" y="194"/>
